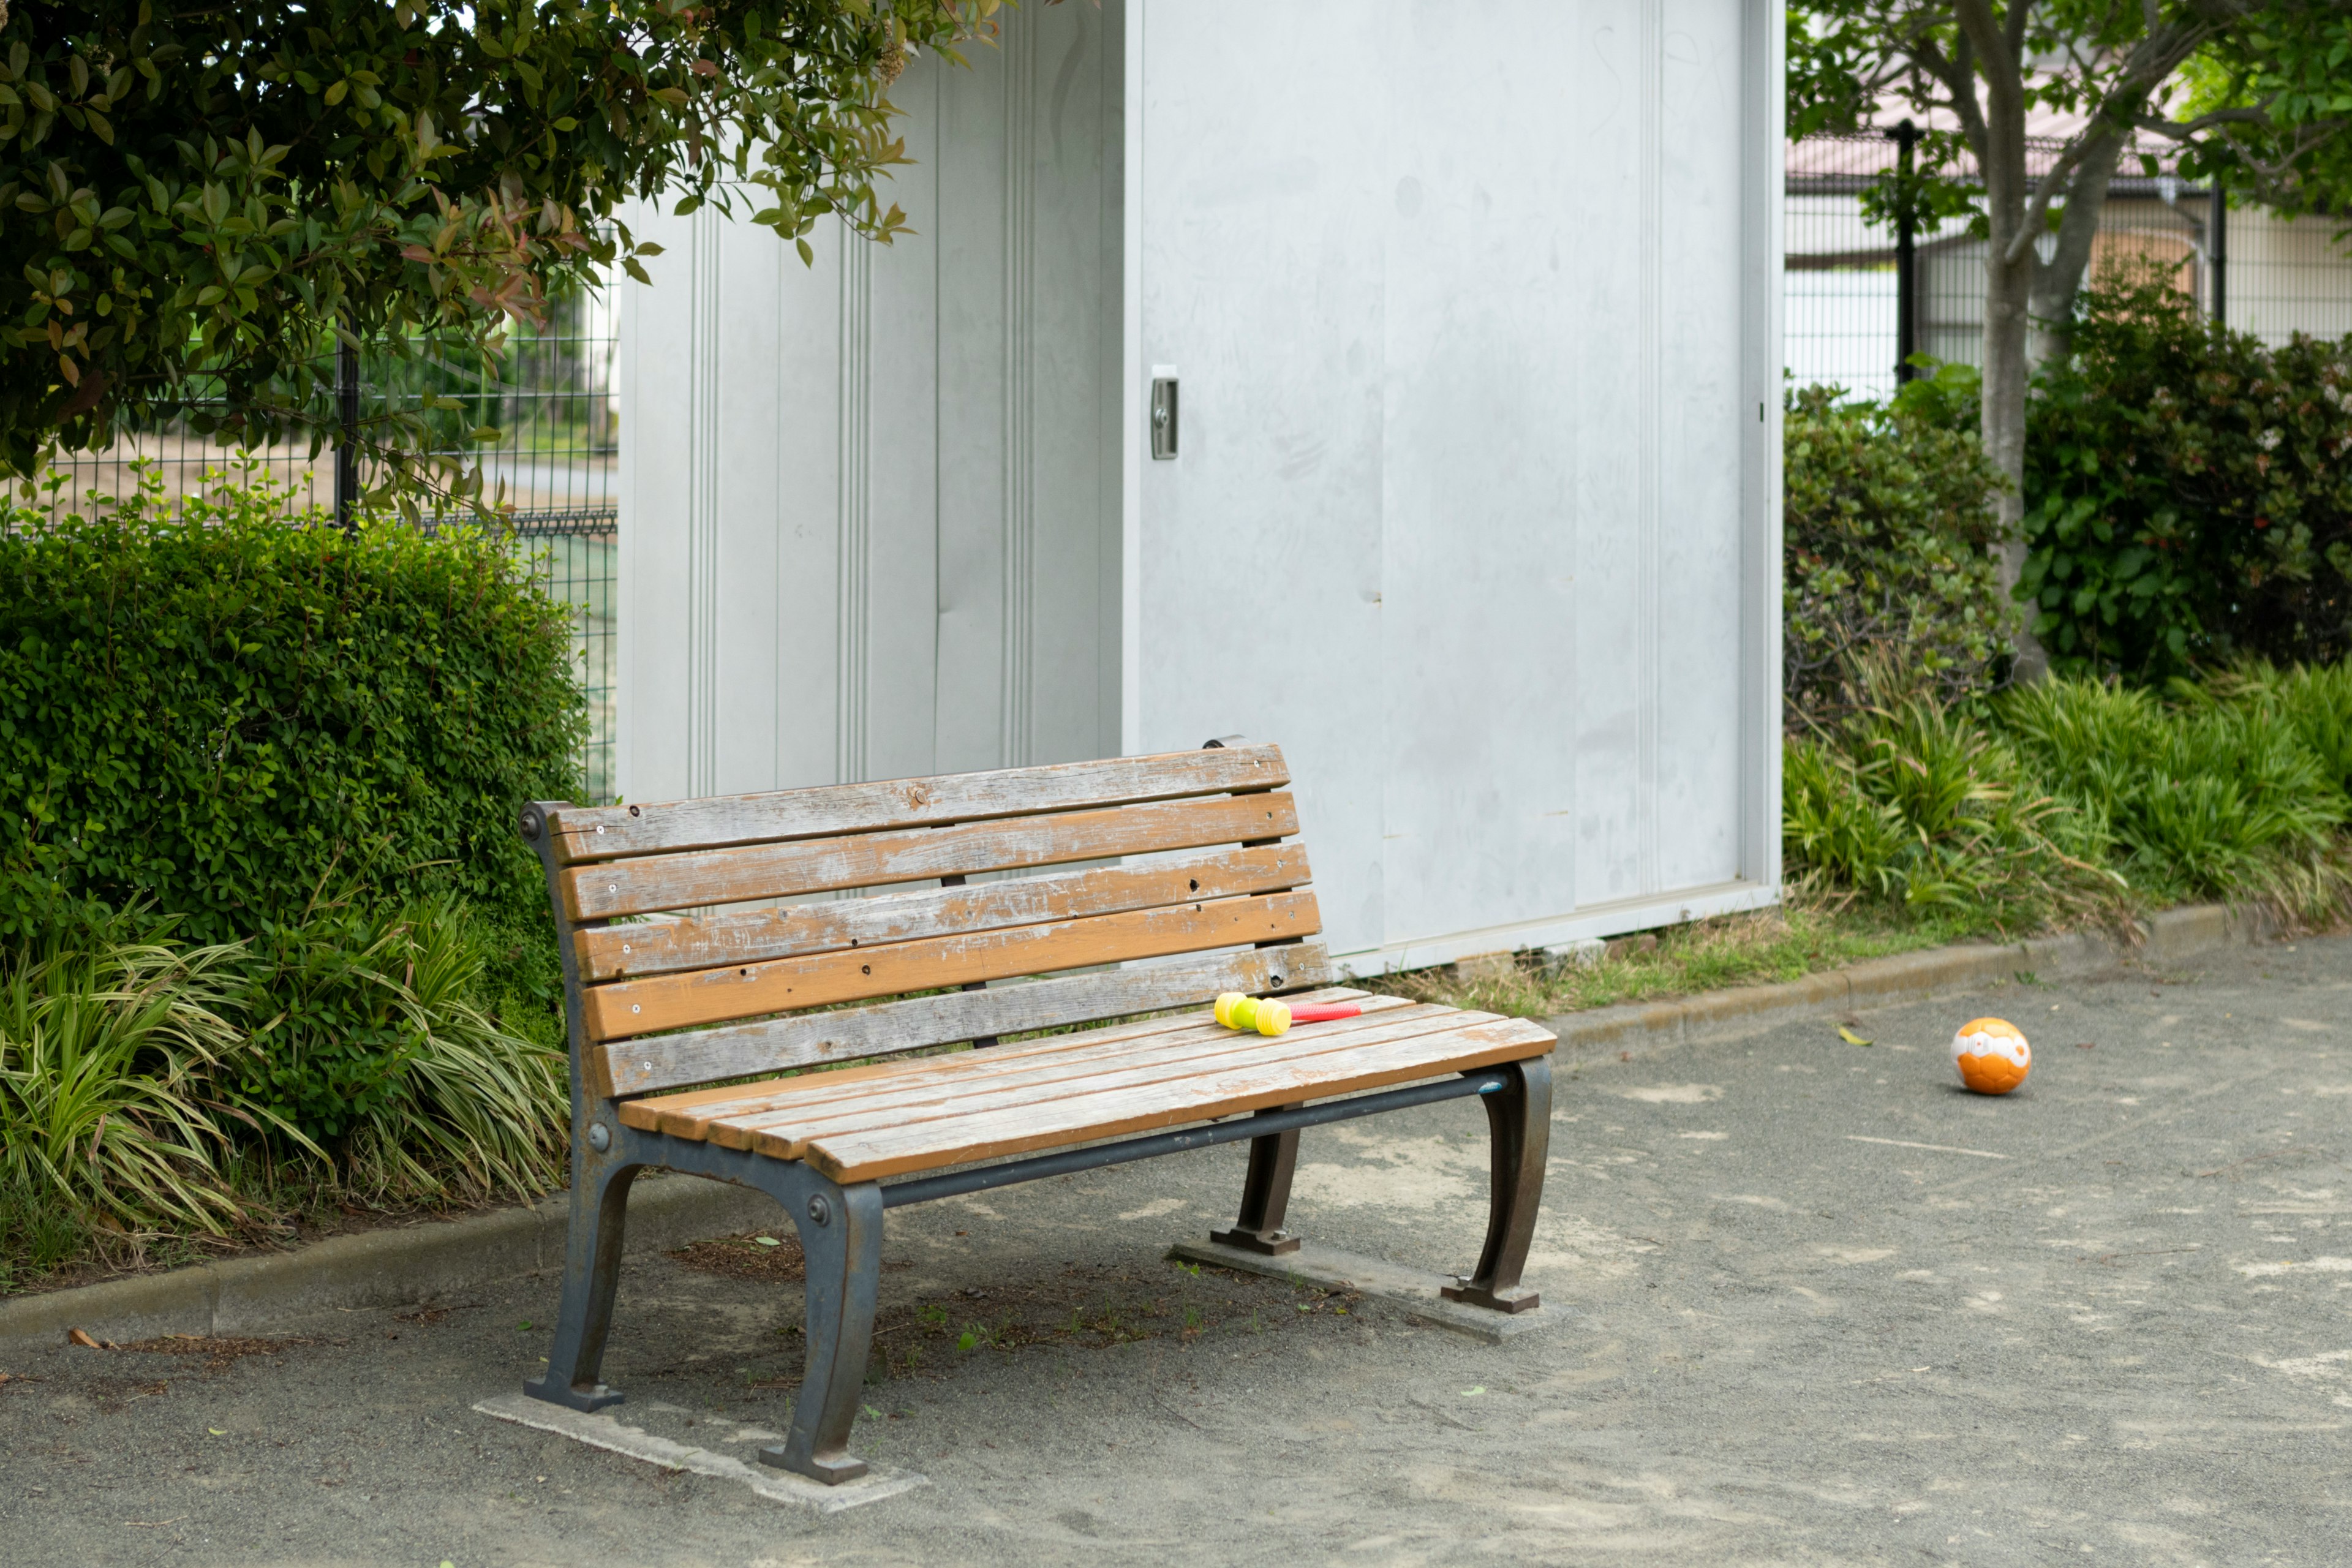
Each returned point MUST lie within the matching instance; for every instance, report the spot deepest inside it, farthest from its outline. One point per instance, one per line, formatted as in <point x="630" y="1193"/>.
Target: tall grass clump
<point x="2075" y="799"/>
<point x="2211" y="794"/>
<point x="1922" y="803"/>
<point x="152" y="1089"/>
<point x="115" y="1066"/>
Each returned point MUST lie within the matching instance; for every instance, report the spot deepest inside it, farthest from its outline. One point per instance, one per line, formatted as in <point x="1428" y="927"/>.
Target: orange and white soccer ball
<point x="1992" y="1054"/>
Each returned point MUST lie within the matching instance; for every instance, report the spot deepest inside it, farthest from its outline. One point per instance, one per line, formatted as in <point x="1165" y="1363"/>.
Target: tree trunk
<point x="2056" y="284"/>
<point x="2009" y="295"/>
<point x="2008" y="302"/>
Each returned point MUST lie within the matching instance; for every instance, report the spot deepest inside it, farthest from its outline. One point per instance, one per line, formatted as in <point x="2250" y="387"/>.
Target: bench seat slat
<point x="814" y="1039"/>
<point x="794" y="1129"/>
<point x="685" y="1113"/>
<point x="752" y="936"/>
<point x="597" y="833"/>
<point x="641" y="886"/>
<point x="626" y="1007"/>
<point x="963" y="1139"/>
<point x="810" y="1100"/>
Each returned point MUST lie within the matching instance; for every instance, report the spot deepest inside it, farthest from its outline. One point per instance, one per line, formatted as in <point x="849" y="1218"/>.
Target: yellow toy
<point x="1992" y="1054"/>
<point x="1267" y="1017"/>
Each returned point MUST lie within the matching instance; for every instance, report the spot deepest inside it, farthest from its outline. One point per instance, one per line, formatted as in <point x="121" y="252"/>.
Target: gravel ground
<point x="1820" y="1307"/>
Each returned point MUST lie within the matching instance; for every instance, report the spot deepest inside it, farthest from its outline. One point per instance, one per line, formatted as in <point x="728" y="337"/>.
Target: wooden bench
<point x="1208" y="894"/>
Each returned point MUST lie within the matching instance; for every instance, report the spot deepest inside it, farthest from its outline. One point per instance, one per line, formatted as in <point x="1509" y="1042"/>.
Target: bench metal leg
<point x="1265" y="1197"/>
<point x="841" y="1238"/>
<point x="1519" y="1118"/>
<point x="591" y="1271"/>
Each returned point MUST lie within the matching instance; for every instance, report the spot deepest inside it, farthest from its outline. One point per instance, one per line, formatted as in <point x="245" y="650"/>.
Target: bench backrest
<point x="718" y="991"/>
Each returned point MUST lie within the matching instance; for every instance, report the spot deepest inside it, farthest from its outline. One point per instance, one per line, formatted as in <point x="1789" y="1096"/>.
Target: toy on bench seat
<point x="1268" y="1017"/>
<point x="1204" y="898"/>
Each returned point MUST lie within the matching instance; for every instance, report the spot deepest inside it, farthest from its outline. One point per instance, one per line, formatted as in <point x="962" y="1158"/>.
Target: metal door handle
<point x="1163" y="416"/>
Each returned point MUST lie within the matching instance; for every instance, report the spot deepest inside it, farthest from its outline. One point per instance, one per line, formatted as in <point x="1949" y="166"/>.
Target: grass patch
<point x="1758" y="948"/>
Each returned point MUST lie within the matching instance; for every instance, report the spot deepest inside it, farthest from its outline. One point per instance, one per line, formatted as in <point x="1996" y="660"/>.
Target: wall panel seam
<point x="853" y="504"/>
<point x="1020" y="383"/>
<point x="1649" y="450"/>
<point x="702" y="510"/>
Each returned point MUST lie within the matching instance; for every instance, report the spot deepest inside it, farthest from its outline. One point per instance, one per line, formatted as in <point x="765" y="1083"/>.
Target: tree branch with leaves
<point x="1978" y="70"/>
<point x="196" y="206"/>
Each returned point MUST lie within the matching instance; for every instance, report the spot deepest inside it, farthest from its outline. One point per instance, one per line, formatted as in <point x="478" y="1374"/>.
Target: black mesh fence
<point x="1845" y="279"/>
<point x="554" y="400"/>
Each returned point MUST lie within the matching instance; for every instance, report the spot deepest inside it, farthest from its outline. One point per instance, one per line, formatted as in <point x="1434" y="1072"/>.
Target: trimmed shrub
<point x="222" y="713"/>
<point x="1888" y="543"/>
<point x="2189" y="493"/>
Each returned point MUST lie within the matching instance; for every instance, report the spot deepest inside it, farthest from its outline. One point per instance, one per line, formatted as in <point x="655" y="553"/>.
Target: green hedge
<point x="225" y="713"/>
<point x="1888" y="538"/>
<point x="2189" y="493"/>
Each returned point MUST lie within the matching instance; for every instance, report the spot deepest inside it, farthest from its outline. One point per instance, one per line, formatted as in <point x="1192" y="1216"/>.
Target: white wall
<point x="1476" y="311"/>
<point x="1477" y="321"/>
<point x="869" y="508"/>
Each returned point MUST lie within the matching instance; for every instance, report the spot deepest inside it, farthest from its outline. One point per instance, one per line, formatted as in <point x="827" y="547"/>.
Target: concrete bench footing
<point x="1410" y="1288"/>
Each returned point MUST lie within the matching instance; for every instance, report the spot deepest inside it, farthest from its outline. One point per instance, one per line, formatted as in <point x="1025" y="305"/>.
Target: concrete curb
<point x="437" y="1257"/>
<point x="392" y="1267"/>
<point x="1644" y="1027"/>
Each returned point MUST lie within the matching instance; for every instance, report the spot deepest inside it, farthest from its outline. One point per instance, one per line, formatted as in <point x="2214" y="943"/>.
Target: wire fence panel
<point x="1843" y="278"/>
<point x="554" y="399"/>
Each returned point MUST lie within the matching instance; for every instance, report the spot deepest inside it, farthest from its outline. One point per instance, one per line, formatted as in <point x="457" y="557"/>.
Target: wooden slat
<point x="685" y="1113"/>
<point x="654" y="882"/>
<point x="587" y="833"/>
<point x="962" y="1139"/>
<point x="752" y="936"/>
<point x="663" y="1002"/>
<point x="1173" y="1064"/>
<point x="921" y="1087"/>
<point x="739" y="1050"/>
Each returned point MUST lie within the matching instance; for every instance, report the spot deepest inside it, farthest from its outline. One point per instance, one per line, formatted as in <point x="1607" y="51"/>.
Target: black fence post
<point x="1907" y="258"/>
<point x="347" y="452"/>
<point x="2217" y="255"/>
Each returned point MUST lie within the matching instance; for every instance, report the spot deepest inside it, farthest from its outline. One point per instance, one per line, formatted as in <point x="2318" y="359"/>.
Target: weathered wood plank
<point x="812" y="1039"/>
<point x="595" y="833"/>
<point x="752" y="936"/>
<point x="958" y="1141"/>
<point x="686" y="1112"/>
<point x="811" y="1102"/>
<point x="641" y="886"/>
<point x="1170" y="1067"/>
<point x="662" y="1002"/>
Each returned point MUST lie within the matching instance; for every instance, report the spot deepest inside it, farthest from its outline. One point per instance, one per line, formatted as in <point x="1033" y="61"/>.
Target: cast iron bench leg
<point x="1519" y="1118"/>
<point x="1266" y="1196"/>
<point x="592" y="1270"/>
<point x="841" y="1238"/>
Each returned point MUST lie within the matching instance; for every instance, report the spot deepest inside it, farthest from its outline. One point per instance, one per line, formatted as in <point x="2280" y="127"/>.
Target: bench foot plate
<point x="1265" y="1244"/>
<point x="1471" y="1295"/>
<point x="1422" y="1296"/>
<point x="585" y="1400"/>
<point x="637" y="1443"/>
<point x="824" y="1471"/>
